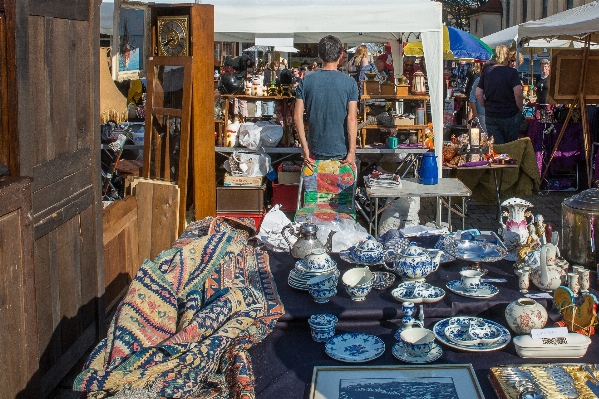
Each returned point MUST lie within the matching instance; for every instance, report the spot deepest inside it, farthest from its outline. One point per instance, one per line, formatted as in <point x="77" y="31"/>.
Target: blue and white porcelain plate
<point x="486" y="290"/>
<point x="441" y="326"/>
<point x="399" y="351"/>
<point x="417" y="292"/>
<point x="354" y="347"/>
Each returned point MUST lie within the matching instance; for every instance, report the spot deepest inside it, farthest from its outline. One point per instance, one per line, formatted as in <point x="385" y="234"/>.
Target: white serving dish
<point x="575" y="346"/>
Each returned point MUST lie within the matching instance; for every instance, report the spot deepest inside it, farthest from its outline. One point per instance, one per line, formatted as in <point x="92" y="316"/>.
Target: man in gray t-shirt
<point x="330" y="99"/>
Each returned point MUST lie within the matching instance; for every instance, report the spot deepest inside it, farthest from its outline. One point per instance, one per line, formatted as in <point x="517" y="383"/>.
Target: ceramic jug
<point x="547" y="275"/>
<point x="306" y="240"/>
<point x="428" y="173"/>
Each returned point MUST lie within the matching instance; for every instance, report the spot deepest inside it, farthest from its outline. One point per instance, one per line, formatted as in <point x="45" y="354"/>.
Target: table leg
<point x="438" y="212"/>
<point x="376" y="219"/>
<point x="449" y="213"/>
<point x="498" y="193"/>
<point x="464" y="213"/>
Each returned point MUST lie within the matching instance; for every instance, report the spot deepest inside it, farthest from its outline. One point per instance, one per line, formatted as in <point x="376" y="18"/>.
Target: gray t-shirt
<point x="326" y="95"/>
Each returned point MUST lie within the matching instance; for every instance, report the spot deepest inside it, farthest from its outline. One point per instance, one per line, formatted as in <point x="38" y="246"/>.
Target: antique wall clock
<point x="173" y="35"/>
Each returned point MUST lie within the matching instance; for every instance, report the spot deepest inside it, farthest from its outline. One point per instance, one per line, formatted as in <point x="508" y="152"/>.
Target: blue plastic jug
<point x="428" y="172"/>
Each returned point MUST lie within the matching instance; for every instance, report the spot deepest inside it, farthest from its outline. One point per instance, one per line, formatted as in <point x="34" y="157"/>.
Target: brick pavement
<point x="483" y="216"/>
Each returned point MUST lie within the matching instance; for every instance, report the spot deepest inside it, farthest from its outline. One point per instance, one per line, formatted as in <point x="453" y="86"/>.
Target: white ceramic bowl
<point x="319" y="260"/>
<point x="357" y="282"/>
<point x="417" y="341"/>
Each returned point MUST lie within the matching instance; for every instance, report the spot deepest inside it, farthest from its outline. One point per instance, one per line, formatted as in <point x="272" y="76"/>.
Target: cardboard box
<point x="289" y="177"/>
<point x="404" y="121"/>
<point x="230" y="180"/>
<point x="246" y="199"/>
<point x="401" y="90"/>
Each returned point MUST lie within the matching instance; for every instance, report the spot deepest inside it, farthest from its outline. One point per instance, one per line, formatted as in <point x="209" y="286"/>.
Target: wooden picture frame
<point x="566" y="67"/>
<point x="448" y="381"/>
<point x="130" y="40"/>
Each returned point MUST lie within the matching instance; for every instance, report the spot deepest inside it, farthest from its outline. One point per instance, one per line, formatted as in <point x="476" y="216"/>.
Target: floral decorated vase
<point x="524" y="315"/>
<point x="516" y="219"/>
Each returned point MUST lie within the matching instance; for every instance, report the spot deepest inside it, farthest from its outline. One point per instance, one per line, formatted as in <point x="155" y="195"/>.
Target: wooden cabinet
<point x="18" y="336"/>
<point x="423" y="100"/>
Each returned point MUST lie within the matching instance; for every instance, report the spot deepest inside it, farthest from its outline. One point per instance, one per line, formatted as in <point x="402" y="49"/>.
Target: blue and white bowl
<point x="322" y="320"/>
<point x="417" y="292"/>
<point x="319" y="261"/>
<point x="323" y="281"/>
<point x="322" y="295"/>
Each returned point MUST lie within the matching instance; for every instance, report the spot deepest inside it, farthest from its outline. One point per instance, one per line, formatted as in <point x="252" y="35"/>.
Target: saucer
<point x="399" y="351"/>
<point x="348" y="257"/>
<point x="354" y="347"/>
<point x="485" y="291"/>
<point x="417" y="292"/>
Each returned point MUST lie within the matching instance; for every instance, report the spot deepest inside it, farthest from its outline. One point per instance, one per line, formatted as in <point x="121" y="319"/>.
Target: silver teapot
<point x="306" y="240"/>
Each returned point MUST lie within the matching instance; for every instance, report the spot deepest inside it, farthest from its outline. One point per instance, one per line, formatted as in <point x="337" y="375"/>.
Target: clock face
<point x="172" y="36"/>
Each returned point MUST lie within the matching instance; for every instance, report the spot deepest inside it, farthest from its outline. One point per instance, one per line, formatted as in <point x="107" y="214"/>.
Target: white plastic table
<point x="447" y="187"/>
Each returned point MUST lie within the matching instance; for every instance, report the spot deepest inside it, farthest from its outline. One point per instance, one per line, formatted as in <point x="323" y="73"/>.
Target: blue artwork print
<point x="131" y="39"/>
<point x="398" y="388"/>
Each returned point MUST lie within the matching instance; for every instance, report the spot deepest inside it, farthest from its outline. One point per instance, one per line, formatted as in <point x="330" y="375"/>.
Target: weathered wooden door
<point x="56" y="46"/>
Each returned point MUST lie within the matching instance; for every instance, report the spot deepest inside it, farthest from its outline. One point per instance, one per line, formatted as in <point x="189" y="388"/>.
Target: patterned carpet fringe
<point x="189" y="317"/>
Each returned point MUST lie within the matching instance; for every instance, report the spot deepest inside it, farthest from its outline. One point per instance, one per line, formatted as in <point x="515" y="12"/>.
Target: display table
<point x="570" y="150"/>
<point x="411" y="188"/>
<point x="284" y="361"/>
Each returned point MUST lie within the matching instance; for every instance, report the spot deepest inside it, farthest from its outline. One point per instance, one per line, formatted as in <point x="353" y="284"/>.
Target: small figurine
<point x="539" y="222"/>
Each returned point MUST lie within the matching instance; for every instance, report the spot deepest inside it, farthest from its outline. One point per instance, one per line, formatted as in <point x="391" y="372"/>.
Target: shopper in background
<point x="542" y="83"/>
<point x="330" y="99"/>
<point x="499" y="91"/>
<point x="409" y="67"/>
<point x="358" y="62"/>
<point x="384" y="68"/>
<point x="476" y="112"/>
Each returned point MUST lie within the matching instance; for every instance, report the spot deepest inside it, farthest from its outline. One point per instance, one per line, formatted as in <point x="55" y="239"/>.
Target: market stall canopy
<point x="509" y="37"/>
<point x="457" y="44"/>
<point x="352" y="21"/>
<point x="569" y="25"/>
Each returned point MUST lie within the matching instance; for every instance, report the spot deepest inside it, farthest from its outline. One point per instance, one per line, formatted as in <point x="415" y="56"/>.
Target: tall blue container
<point x="428" y="172"/>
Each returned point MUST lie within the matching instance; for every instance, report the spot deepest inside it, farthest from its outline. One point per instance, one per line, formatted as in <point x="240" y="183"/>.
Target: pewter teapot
<point x="306" y="240"/>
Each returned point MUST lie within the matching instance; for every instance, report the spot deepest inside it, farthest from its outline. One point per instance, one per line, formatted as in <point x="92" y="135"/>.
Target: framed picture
<point x="131" y="40"/>
<point x="443" y="381"/>
<point x="566" y="69"/>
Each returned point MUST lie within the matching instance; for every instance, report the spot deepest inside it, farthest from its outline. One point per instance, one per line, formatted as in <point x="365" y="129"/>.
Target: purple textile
<point x="284" y="361"/>
<point x="570" y="150"/>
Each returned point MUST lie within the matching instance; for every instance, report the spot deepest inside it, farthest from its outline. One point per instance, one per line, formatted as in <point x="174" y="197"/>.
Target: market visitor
<point x="476" y="112"/>
<point x="330" y="99"/>
<point x="542" y="83"/>
<point x="499" y="91"/>
<point x="384" y="71"/>
<point x="358" y="64"/>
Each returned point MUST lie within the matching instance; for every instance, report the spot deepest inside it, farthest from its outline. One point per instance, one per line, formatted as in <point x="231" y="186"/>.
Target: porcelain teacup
<point x="470" y="280"/>
<point x="322" y="295"/>
<point x="417" y="341"/>
<point x="323" y="281"/>
<point x="357" y="282"/>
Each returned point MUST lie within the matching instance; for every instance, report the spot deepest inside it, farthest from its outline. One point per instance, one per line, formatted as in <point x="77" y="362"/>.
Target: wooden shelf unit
<point x="420" y="128"/>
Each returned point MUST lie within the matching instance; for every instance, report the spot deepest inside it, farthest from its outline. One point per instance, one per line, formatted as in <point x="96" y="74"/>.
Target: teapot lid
<point x="587" y="200"/>
<point x="414" y="250"/>
<point x="308" y="228"/>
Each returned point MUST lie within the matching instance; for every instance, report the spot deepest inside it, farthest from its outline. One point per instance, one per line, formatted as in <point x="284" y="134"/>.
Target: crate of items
<point x="256" y="217"/>
<point x="285" y="195"/>
<point x="240" y="199"/>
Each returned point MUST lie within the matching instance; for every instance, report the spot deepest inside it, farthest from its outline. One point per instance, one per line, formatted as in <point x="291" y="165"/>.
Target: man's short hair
<point x="544" y="61"/>
<point x="329" y="48"/>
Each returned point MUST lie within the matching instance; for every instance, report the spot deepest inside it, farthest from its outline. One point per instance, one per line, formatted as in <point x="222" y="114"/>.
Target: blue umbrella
<point x="464" y="45"/>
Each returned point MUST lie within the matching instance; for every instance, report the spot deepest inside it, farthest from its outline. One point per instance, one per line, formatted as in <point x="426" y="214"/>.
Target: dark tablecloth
<point x="284" y="361"/>
<point x="570" y="150"/>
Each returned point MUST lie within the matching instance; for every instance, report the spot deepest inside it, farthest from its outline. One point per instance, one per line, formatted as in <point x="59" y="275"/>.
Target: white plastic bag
<point x="249" y="135"/>
<point x="348" y="233"/>
<point x="270" y="230"/>
<point x="270" y="134"/>
<point x="258" y="164"/>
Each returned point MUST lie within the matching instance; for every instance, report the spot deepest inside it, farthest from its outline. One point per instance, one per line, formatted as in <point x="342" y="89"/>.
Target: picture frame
<point x="442" y="381"/>
<point x="131" y="40"/>
<point x="566" y="69"/>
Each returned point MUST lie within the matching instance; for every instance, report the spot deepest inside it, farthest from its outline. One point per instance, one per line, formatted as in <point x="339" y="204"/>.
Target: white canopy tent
<point x="509" y="37"/>
<point x="571" y="24"/>
<point x="352" y="21"/>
